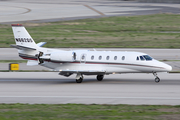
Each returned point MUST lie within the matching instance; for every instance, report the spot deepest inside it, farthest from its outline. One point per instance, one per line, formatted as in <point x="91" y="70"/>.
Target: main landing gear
<point x="79" y="78"/>
<point x="100" y="77"/>
<point x="157" y="79"/>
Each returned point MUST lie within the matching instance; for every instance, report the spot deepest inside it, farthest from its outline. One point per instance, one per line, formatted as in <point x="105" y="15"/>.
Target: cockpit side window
<point x="137" y="58"/>
<point x="147" y="57"/>
<point x="142" y="58"/>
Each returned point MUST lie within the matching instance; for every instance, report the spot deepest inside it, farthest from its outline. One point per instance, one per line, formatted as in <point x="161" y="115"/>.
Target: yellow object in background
<point x="13" y="66"/>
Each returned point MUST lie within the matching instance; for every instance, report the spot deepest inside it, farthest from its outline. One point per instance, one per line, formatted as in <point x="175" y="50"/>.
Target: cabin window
<point x="142" y="58"/>
<point x="92" y="57"/>
<point x="123" y="57"/>
<point x="107" y="58"/>
<point x="115" y="57"/>
<point x="137" y="58"/>
<point x="100" y="57"/>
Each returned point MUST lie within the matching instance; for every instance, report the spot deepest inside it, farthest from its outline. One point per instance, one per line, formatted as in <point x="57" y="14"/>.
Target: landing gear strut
<point x="100" y="77"/>
<point x="157" y="79"/>
<point x="79" y="78"/>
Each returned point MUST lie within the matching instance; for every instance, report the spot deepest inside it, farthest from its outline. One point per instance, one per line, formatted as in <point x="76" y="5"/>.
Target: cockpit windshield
<point x="144" y="57"/>
<point x="147" y="57"/>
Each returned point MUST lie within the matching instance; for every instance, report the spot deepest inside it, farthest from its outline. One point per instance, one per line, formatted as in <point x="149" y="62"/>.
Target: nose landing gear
<point x="157" y="79"/>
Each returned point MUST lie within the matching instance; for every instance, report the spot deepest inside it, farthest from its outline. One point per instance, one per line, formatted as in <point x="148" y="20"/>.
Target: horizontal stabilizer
<point x="22" y="47"/>
<point x="32" y="62"/>
<point x="41" y="44"/>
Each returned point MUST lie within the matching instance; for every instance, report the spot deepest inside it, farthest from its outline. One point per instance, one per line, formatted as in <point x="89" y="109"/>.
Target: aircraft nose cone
<point x="168" y="68"/>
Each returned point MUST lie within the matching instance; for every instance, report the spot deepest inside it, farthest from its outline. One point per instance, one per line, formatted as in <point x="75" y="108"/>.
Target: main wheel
<point x="157" y="79"/>
<point x="100" y="77"/>
<point x="79" y="80"/>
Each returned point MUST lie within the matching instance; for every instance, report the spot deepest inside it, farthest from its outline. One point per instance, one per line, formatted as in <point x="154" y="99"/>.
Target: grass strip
<point x="146" y="31"/>
<point x="169" y="60"/>
<point x="87" y="112"/>
<point x="13" y="61"/>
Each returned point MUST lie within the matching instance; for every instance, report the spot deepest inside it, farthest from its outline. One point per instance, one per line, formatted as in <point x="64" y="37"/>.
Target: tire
<point x="157" y="80"/>
<point x="100" y="77"/>
<point x="79" y="80"/>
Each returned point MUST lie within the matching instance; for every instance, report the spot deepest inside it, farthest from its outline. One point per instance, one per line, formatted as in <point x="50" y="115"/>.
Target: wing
<point x="67" y="73"/>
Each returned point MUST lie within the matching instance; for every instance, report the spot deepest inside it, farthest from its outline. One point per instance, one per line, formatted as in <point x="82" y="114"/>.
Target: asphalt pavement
<point x="50" y="88"/>
<point x="18" y="11"/>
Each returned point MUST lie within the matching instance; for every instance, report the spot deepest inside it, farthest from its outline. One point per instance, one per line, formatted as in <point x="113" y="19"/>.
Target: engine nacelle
<point x="63" y="56"/>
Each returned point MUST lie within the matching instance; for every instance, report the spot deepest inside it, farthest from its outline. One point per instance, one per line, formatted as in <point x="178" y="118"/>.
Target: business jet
<point x="84" y="62"/>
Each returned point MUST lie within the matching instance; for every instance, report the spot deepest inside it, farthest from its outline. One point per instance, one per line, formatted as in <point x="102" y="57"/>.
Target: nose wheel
<point x="157" y="79"/>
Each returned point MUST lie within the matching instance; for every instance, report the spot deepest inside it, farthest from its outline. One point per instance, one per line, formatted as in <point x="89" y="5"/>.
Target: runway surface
<point x="48" y="87"/>
<point x="57" y="10"/>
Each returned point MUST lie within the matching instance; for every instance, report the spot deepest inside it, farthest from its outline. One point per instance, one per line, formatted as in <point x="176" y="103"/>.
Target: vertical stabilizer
<point x="22" y="37"/>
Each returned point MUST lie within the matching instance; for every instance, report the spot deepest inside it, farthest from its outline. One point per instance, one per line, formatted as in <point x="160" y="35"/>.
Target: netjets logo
<point x="23" y="40"/>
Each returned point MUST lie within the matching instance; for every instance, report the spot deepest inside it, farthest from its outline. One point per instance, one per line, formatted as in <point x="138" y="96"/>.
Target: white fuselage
<point x="110" y="62"/>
